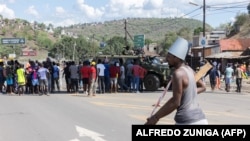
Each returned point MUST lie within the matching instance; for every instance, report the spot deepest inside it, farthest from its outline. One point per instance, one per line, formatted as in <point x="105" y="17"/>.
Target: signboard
<point x="139" y="41"/>
<point x="12" y="56"/>
<point x="13" y="40"/>
<point x="203" y="41"/>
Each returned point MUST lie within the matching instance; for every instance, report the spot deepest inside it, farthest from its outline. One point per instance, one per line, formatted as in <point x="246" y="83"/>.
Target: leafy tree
<point x="116" y="45"/>
<point x="43" y="40"/>
<point x="148" y="41"/>
<point x="185" y="33"/>
<point x="198" y="30"/>
<point x="42" y="26"/>
<point x="240" y="19"/>
<point x="168" y="40"/>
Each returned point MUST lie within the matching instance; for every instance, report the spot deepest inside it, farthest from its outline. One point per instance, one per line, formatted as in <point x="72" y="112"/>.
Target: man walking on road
<point x="185" y="90"/>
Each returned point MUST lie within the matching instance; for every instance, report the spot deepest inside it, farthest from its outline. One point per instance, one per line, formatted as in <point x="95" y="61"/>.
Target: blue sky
<point x="68" y="12"/>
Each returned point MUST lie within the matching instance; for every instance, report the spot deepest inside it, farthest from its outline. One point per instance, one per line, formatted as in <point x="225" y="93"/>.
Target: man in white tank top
<point x="185" y="90"/>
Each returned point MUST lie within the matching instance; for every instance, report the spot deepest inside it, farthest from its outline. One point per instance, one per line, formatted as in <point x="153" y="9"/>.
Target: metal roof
<point x="227" y="55"/>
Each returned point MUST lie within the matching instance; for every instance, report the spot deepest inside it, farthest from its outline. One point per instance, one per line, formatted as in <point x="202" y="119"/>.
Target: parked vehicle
<point x="157" y="72"/>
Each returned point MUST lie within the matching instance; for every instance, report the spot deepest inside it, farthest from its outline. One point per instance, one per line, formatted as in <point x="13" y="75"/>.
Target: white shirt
<point x="101" y="68"/>
<point x="122" y="70"/>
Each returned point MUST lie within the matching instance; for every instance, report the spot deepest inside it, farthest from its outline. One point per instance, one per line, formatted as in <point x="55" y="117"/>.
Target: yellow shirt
<point x="21" y="76"/>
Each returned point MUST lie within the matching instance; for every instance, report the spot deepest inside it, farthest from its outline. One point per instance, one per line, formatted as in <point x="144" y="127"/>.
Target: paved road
<point x="105" y="117"/>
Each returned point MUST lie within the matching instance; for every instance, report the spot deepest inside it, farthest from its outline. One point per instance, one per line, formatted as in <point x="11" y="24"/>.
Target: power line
<point x="211" y="8"/>
<point x="230" y="3"/>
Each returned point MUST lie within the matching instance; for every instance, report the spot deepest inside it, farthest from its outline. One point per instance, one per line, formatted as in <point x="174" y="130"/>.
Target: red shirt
<point x="93" y="72"/>
<point x="85" y="71"/>
<point x="113" y="70"/>
<point x="142" y="72"/>
<point x="135" y="70"/>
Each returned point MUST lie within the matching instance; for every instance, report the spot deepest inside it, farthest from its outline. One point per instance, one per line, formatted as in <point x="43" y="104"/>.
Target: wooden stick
<point x="203" y="70"/>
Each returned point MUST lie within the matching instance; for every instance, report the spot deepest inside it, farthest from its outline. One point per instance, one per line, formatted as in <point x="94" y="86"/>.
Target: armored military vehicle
<point x="157" y="72"/>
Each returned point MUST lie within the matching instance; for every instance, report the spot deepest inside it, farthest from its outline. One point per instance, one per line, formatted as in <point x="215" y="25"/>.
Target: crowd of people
<point x="97" y="76"/>
<point x="103" y="76"/>
<point x="34" y="77"/>
<point x="233" y="73"/>
<point x="87" y="77"/>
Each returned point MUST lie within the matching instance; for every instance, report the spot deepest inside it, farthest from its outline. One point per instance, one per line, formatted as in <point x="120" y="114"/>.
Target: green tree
<point x="42" y="26"/>
<point x="168" y="41"/>
<point x="240" y="19"/>
<point x="43" y="40"/>
<point x="148" y="41"/>
<point x="115" y="45"/>
<point x="198" y="30"/>
<point x="185" y="33"/>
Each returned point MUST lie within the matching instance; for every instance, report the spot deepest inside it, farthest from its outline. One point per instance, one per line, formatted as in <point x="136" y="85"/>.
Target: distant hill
<point x="153" y="28"/>
<point x="38" y="37"/>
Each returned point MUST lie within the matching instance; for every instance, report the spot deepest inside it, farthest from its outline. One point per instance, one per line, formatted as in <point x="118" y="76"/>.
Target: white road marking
<point x="74" y="140"/>
<point x="83" y="132"/>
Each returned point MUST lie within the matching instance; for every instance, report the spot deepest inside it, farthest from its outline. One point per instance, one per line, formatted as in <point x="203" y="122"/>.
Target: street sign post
<point x="13" y="40"/>
<point x="139" y="41"/>
<point x="203" y="43"/>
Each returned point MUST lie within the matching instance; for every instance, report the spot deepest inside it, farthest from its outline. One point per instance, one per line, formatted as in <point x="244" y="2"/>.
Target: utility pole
<point x="74" y="51"/>
<point x="204" y="27"/>
<point x="126" y="38"/>
<point x="127" y="33"/>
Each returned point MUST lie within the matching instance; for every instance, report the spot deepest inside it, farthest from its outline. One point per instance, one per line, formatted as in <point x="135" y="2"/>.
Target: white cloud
<point x="12" y="1"/>
<point x="153" y="4"/>
<point x="60" y="10"/>
<point x="118" y="9"/>
<point x="32" y="11"/>
<point x="6" y="12"/>
<point x="88" y="11"/>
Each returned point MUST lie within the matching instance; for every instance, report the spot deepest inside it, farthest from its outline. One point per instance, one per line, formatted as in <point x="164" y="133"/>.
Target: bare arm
<point x="200" y="86"/>
<point x="173" y="103"/>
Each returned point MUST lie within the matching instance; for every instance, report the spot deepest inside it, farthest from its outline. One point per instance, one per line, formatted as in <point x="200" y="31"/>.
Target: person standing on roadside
<point x="21" y="79"/>
<point x="142" y="73"/>
<point x="92" y="79"/>
<point x="100" y="74"/>
<point x="228" y="77"/>
<point x="185" y="90"/>
<point x="136" y="76"/>
<point x="43" y="74"/>
<point x="2" y="75"/>
<point x="218" y="83"/>
<point x="129" y="76"/>
<point x="56" y="76"/>
<point x="113" y="69"/>
<point x="121" y="79"/>
<point x="213" y="75"/>
<point x="85" y="74"/>
<point x="74" y="76"/>
<point x="107" y="75"/>
<point x="238" y="75"/>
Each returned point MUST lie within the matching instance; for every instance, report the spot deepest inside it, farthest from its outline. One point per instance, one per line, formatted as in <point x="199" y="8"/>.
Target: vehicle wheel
<point x="151" y="82"/>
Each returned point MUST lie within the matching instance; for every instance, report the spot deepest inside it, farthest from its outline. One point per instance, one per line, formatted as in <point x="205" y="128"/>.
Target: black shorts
<point x="85" y="81"/>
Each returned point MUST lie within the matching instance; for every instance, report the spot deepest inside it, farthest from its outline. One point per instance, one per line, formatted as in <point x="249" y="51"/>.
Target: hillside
<point x="153" y="28"/>
<point x="244" y="31"/>
<point x="36" y="38"/>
